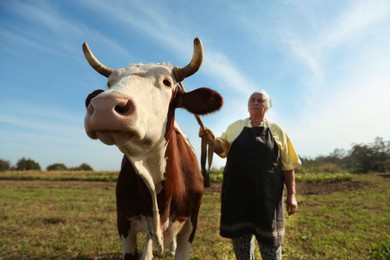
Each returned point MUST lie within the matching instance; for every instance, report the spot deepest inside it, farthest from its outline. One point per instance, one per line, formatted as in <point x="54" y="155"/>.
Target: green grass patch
<point x="341" y="225"/>
<point x="323" y="177"/>
<point x="109" y="176"/>
<point x="63" y="221"/>
<point x="47" y="222"/>
<point x="381" y="250"/>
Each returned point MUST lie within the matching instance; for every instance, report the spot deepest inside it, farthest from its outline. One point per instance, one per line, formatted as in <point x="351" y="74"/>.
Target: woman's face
<point x="257" y="104"/>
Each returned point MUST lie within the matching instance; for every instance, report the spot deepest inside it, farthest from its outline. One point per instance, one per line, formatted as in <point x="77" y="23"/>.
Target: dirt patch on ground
<point x="59" y="184"/>
<point x="304" y="188"/>
<point x="327" y="188"/>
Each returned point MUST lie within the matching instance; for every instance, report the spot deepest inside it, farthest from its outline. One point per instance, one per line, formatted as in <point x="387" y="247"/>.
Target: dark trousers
<point x="244" y="249"/>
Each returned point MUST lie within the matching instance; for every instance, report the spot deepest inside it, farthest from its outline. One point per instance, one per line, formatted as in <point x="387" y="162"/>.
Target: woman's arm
<point x="291" y="201"/>
<point x="217" y="147"/>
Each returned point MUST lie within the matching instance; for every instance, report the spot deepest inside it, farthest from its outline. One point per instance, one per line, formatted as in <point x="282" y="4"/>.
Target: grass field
<point x="71" y="218"/>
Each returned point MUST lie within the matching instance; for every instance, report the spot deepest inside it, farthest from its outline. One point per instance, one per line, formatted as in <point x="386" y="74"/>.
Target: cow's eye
<point x="167" y="82"/>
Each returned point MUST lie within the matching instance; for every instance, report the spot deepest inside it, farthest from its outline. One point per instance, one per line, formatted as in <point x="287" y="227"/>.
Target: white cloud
<point x="354" y="22"/>
<point x="356" y="113"/>
<point x="307" y="56"/>
<point x="54" y="25"/>
<point x="221" y="68"/>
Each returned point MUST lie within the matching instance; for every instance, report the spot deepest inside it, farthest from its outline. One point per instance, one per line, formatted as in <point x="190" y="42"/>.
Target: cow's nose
<point x="109" y="113"/>
<point x="108" y="107"/>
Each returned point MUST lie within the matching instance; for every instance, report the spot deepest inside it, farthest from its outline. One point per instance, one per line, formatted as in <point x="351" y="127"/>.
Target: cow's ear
<point x="201" y="101"/>
<point x="92" y="95"/>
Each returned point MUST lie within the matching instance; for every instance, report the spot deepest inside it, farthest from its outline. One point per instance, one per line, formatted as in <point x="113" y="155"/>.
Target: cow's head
<point x="137" y="111"/>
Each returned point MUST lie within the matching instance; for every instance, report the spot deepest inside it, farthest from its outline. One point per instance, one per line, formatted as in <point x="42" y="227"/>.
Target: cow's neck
<point x="151" y="168"/>
<point x="151" y="171"/>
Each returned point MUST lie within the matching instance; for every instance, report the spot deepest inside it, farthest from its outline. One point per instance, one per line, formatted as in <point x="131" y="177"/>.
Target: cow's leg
<point x="148" y="249"/>
<point x="172" y="247"/>
<point x="129" y="246"/>
<point x="170" y="244"/>
<point x="127" y="237"/>
<point x="170" y="241"/>
<point x="183" y="242"/>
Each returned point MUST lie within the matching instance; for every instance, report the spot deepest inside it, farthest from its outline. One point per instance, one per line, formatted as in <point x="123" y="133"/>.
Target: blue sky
<point x="325" y="64"/>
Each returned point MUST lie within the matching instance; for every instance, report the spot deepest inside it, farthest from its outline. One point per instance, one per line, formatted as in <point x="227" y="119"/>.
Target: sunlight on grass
<point x="67" y="221"/>
<point x="323" y="177"/>
<point x="60" y="175"/>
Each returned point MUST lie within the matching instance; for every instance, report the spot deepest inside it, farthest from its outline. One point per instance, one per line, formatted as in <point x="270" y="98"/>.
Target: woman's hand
<point x="291" y="201"/>
<point x="204" y="132"/>
<point x="291" y="204"/>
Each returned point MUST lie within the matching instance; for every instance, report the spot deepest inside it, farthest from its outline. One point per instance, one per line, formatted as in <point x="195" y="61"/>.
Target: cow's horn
<point x="193" y="66"/>
<point x="95" y="63"/>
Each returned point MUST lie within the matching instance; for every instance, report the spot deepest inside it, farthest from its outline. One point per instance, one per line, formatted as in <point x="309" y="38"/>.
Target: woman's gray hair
<point x="267" y="98"/>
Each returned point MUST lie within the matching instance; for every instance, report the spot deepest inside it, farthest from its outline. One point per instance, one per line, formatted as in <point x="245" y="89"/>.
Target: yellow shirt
<point x="288" y="156"/>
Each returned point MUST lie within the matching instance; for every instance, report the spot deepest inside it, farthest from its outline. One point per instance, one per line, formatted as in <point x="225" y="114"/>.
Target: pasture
<point x="71" y="215"/>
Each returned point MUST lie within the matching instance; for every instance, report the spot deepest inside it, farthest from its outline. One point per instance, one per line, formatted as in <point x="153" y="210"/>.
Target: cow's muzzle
<point x="109" y="113"/>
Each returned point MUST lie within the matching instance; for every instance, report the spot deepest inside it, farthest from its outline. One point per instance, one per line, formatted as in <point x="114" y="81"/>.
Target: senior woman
<point x="260" y="161"/>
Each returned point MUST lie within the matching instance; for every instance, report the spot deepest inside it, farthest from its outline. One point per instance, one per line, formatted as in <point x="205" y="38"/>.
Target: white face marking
<point x="132" y="114"/>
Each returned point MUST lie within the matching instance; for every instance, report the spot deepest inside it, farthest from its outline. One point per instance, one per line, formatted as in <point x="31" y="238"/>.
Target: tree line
<point x="361" y="158"/>
<point x="27" y="164"/>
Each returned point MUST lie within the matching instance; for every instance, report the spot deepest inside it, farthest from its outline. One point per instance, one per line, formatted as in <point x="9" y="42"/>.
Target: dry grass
<point x="76" y="220"/>
<point x="59" y="175"/>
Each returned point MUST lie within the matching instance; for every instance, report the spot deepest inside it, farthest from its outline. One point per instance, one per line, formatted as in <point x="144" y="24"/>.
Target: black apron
<point x="252" y="188"/>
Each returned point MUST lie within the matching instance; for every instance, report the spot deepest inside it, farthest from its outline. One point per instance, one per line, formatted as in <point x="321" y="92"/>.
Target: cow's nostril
<point x="123" y="109"/>
<point x="90" y="109"/>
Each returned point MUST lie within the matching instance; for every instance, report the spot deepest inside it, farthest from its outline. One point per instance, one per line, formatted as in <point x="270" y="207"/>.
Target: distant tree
<point x="4" y="165"/>
<point x="337" y="156"/>
<point x="56" y="167"/>
<point x="360" y="159"/>
<point x="374" y="157"/>
<point x="381" y="155"/>
<point x="27" y="165"/>
<point x="82" y="167"/>
<point x="321" y="164"/>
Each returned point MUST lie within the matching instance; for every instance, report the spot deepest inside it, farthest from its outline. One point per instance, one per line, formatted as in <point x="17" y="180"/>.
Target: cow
<point x="160" y="186"/>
